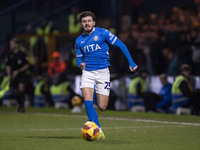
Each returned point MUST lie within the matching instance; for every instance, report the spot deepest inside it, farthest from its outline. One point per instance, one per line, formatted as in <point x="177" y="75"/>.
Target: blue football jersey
<point x="94" y="48"/>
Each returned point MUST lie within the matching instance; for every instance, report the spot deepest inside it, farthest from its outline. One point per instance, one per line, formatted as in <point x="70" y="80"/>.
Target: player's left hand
<point x="133" y="69"/>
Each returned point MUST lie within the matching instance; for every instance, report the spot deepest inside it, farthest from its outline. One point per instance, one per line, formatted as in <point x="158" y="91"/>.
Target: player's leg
<point x="102" y="91"/>
<point x="88" y="100"/>
<point x="87" y="88"/>
<point x="103" y="88"/>
<point x="102" y="101"/>
<point x="87" y="93"/>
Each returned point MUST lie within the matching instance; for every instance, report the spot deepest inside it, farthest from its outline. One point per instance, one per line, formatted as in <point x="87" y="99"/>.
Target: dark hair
<point x="87" y="13"/>
<point x="185" y="67"/>
<point x="163" y="76"/>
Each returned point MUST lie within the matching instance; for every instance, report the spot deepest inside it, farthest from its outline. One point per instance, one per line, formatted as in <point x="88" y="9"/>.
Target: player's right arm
<point x="79" y="56"/>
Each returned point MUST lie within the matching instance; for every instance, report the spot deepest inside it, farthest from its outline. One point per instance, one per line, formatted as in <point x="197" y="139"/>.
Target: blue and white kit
<point x="93" y="49"/>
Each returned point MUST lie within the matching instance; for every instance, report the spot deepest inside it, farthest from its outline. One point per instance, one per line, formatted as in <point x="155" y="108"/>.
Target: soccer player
<point x="92" y="53"/>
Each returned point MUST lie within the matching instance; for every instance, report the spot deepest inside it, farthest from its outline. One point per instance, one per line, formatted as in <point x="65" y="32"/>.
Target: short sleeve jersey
<point x="94" y="48"/>
<point x="16" y="60"/>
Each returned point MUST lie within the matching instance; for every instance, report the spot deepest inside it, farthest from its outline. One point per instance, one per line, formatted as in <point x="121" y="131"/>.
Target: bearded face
<point x="87" y="24"/>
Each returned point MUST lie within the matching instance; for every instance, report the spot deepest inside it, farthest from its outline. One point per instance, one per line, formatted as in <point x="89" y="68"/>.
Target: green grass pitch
<point x="53" y="129"/>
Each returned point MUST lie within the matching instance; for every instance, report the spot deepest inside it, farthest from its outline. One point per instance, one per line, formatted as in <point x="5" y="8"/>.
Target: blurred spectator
<point x="182" y="91"/>
<point x="153" y="19"/>
<point x="40" y="48"/>
<point x="136" y="90"/>
<point x="171" y="60"/>
<point x="46" y="28"/>
<point x="29" y="43"/>
<point x="150" y="101"/>
<point x="165" y="92"/>
<point x="41" y="29"/>
<point x="74" y="25"/>
<point x="157" y="61"/>
<point x="184" y="52"/>
<point x="32" y="39"/>
<point x="56" y="66"/>
<point x="42" y="95"/>
<point x="6" y="93"/>
<point x="62" y="92"/>
<point x="4" y="86"/>
<point x="16" y="67"/>
<point x="40" y="56"/>
<point x="50" y="28"/>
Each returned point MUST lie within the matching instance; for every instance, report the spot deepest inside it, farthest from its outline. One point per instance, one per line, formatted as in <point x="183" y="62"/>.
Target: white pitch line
<point x="70" y="129"/>
<point x="125" y="119"/>
<point x="152" y="121"/>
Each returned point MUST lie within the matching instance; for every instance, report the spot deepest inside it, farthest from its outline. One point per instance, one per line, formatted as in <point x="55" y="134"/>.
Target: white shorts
<point x="100" y="79"/>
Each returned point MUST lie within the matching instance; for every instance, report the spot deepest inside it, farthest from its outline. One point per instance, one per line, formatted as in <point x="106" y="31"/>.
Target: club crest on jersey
<point x="96" y="38"/>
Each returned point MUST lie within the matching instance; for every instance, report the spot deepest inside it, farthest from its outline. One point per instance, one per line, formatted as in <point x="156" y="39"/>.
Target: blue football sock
<point x="91" y="112"/>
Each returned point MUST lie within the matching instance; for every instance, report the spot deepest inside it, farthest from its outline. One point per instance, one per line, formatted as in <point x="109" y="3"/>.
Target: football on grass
<point x="90" y="131"/>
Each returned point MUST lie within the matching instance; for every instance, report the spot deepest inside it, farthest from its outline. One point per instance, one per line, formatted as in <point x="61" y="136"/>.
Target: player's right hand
<point x="82" y="66"/>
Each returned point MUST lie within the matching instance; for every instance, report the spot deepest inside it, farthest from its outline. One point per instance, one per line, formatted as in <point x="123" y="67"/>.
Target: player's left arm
<point x="113" y="40"/>
<point x="125" y="51"/>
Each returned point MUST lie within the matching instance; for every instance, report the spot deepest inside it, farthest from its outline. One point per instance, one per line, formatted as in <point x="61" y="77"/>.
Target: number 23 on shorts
<point x="107" y="85"/>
